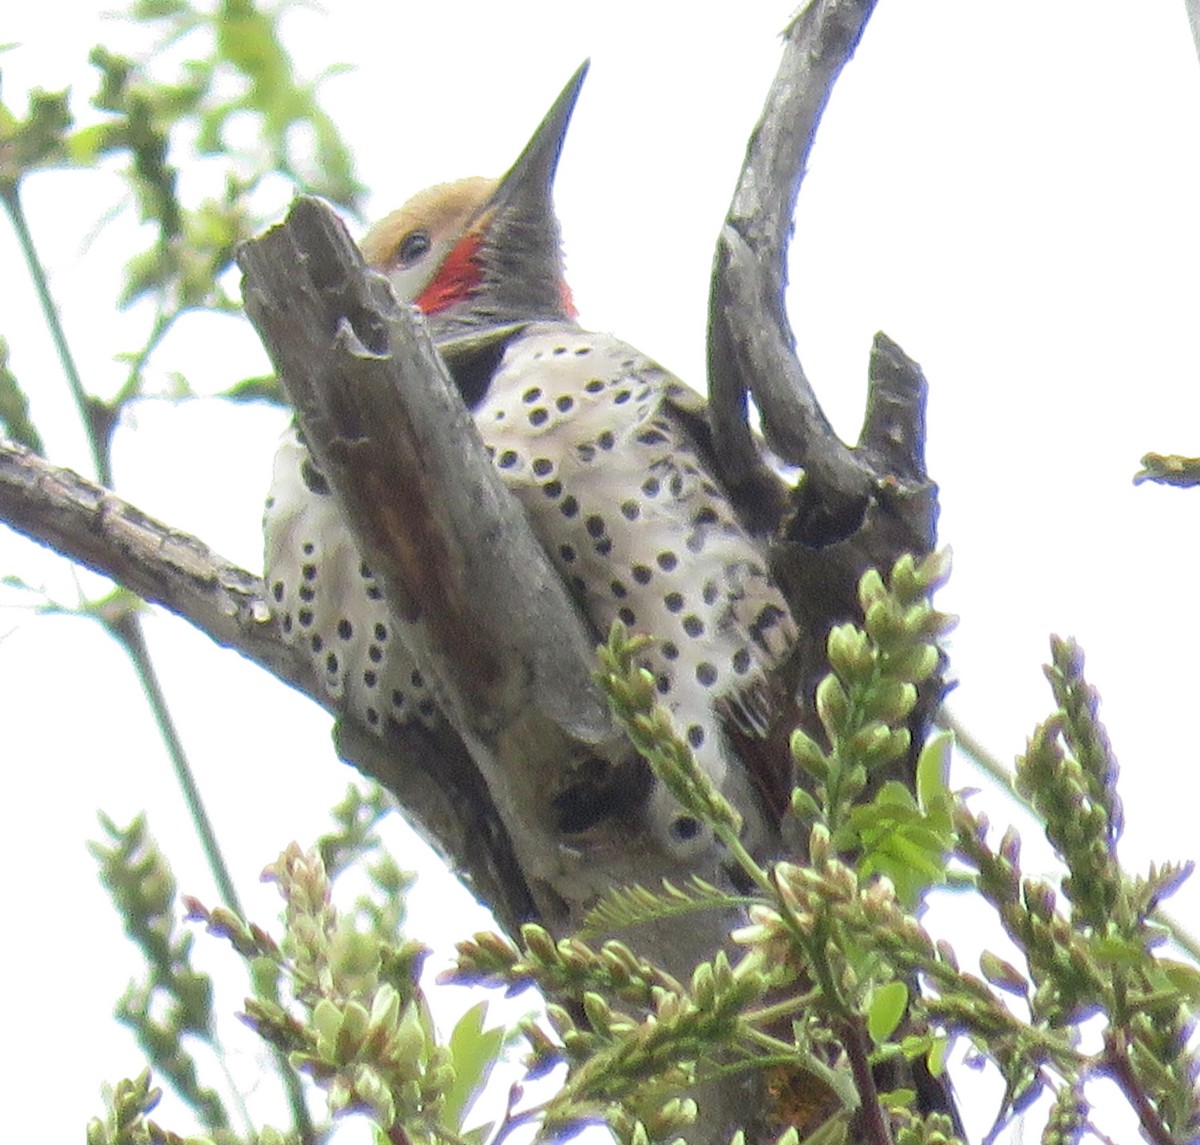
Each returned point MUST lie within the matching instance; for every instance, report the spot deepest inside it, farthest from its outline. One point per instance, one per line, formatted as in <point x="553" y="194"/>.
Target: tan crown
<point x="441" y="213"/>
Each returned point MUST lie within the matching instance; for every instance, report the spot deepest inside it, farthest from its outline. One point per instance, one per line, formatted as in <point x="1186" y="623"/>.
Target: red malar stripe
<point x="457" y="278"/>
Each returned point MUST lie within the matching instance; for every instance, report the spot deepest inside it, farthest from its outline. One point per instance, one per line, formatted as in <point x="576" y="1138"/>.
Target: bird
<point x="607" y="452"/>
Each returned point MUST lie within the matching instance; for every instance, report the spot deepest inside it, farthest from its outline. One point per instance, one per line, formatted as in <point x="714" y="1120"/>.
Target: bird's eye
<point x="414" y="246"/>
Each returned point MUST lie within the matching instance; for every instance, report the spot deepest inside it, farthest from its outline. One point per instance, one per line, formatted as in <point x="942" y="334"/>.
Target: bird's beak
<point x="528" y="182"/>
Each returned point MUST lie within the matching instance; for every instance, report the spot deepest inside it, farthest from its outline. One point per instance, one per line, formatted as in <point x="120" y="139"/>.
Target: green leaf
<point x="88" y="144"/>
<point x="474" y="1053"/>
<point x="14" y="407"/>
<point x="38" y="140"/>
<point x="933" y="771"/>
<point x="898" y="1098"/>
<point x="634" y="905"/>
<point x="261" y="389"/>
<point x="886" y="1010"/>
<point x="1183" y="976"/>
<point x="936" y="1058"/>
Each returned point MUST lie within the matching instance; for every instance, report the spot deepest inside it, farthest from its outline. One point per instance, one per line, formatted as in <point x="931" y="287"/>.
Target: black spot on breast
<point x="307" y="593"/>
<point x="308" y="548"/>
<point x="621" y="397"/>
<point x="345" y="629"/>
<point x="331" y="663"/>
<point x="305" y="617"/>
<point x="314" y="479"/>
<point x="710" y="592"/>
<point x="564" y="402"/>
<point x="693" y="625"/>
<point x="663" y="684"/>
<point x="397" y="699"/>
<point x="309" y="572"/>
<point x="375" y="654"/>
<point x="381" y="632"/>
<point x="507" y="459"/>
<point x="585" y="452"/>
<point x="541" y="466"/>
<point x="706" y="674"/>
<point x="642" y="574"/>
<point x="651" y="437"/>
<point x="741" y="661"/>
<point x="627" y="617"/>
<point x="594" y="386"/>
<point x="606" y="439"/>
<point x="552" y="489"/>
<point x="372" y="717"/>
<point x="603" y="546"/>
<point x="695" y="736"/>
<point x="674" y="601"/>
<point x="685" y="828"/>
<point x="418" y="681"/>
<point x="277" y="591"/>
<point x="769" y="615"/>
<point x="670" y="650"/>
<point x="538" y="416"/>
<point x="595" y="526"/>
<point x="650" y="486"/>
<point x="667" y="560"/>
<point x="567" y="553"/>
<point x="370" y="678"/>
<point x="531" y="395"/>
<point x="287" y="623"/>
<point x="630" y="510"/>
<point x="618" y="589"/>
<point x="569" y="507"/>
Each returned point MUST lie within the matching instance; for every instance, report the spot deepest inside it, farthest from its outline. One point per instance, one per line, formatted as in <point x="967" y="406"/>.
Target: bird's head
<point x="483" y="252"/>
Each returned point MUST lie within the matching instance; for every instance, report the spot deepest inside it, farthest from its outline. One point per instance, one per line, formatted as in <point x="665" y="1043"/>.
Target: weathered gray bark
<point x="856" y="507"/>
<point x="98" y="529"/>
<point x="455" y="552"/>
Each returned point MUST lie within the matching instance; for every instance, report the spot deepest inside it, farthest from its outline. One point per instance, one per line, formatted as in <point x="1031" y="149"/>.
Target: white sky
<point x="1008" y="189"/>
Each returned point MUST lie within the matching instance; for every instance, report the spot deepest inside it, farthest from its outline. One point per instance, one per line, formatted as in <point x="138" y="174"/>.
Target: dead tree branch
<point x="488" y="616"/>
<point x="99" y="530"/>
<point x="855" y="507"/>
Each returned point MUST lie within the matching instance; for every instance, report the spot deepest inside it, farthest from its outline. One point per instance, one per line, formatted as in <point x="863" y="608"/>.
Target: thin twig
<point x="11" y="196"/>
<point x="1120" y="1069"/>
<point x="858" y="1052"/>
<point x="97" y="421"/>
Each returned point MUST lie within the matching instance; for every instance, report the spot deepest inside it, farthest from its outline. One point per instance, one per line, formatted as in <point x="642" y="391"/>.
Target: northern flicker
<point x="606" y="451"/>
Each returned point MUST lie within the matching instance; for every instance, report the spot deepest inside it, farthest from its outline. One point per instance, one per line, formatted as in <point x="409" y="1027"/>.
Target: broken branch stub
<point x="855" y="507"/>
<point x="489" y="617"/>
<point x="751" y="344"/>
